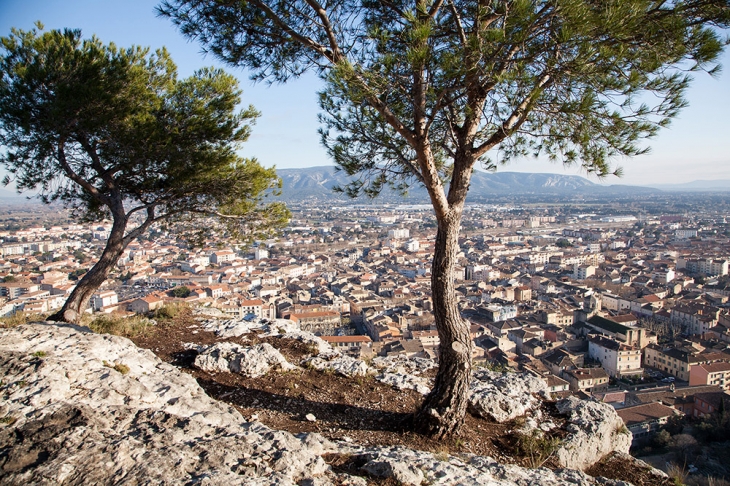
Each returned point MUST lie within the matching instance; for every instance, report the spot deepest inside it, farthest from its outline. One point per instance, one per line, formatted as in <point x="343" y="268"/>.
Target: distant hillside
<point x="316" y="183"/>
<point x="722" y="185"/>
<point x="12" y="198"/>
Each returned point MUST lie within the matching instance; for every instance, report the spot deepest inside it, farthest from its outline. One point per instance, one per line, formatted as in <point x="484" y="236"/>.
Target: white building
<point x="399" y="233"/>
<point x="412" y="245"/>
<point x="107" y="298"/>
<point x="683" y="234"/>
<point x="705" y="266"/>
<point x="582" y="272"/>
<point x="617" y="359"/>
<point x="222" y="256"/>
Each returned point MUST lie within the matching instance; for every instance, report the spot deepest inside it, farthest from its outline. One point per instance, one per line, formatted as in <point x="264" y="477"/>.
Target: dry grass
<point x="678" y="474"/>
<point x="137" y="325"/>
<point x="537" y="447"/>
<point x="171" y="310"/>
<point x="121" y="368"/>
<point x="20" y="318"/>
<point x="122" y="326"/>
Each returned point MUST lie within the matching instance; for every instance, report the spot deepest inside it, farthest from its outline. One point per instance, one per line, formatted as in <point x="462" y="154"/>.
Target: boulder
<point x="228" y="328"/>
<point x="250" y="361"/>
<point x="319" y="345"/>
<point x="504" y="396"/>
<point x="402" y="364"/>
<point x="595" y="430"/>
<point x="403" y="381"/>
<point x="338" y="363"/>
<point x="403" y="472"/>
<point x="413" y="467"/>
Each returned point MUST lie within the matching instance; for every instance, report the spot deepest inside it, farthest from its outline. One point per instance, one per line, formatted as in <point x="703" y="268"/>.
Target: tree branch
<point x="516" y="118"/>
<point x="71" y="174"/>
<point x="96" y="164"/>
<point x="302" y="39"/>
<point x="149" y="221"/>
<point x="337" y="54"/>
<point x="435" y="8"/>
<point x="459" y="26"/>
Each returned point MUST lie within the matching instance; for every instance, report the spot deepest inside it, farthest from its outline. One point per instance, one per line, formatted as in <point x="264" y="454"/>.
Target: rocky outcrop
<point x="250" y="361"/>
<point x="81" y="408"/>
<point x="415" y="468"/>
<point x="505" y="396"/>
<point x="594" y="428"/>
<point x="338" y="363"/>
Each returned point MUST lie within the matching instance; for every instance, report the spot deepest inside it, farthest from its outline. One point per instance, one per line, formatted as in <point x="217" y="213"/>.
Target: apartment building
<point x="717" y="373"/>
<point x="632" y="336"/>
<point x="586" y="379"/>
<point x="618" y="359"/>
<point x="322" y="323"/>
<point x="677" y="361"/>
<point x="695" y="318"/>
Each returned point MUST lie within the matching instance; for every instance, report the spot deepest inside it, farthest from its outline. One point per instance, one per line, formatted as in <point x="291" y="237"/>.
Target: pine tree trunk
<point x="77" y="302"/>
<point x="443" y="410"/>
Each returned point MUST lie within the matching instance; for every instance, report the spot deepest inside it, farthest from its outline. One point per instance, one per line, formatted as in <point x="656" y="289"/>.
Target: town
<point x="629" y="307"/>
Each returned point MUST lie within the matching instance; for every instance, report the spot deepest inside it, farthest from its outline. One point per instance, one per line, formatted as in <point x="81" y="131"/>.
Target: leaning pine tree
<point x="114" y="134"/>
<point x="422" y="91"/>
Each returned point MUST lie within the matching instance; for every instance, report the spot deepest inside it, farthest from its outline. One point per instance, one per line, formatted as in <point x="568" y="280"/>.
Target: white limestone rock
<point x="319" y="345"/>
<point x="228" y="328"/>
<point x="504" y="396"/>
<point x="281" y="327"/>
<point x="80" y="421"/>
<point x="417" y="467"/>
<point x="404" y="473"/>
<point x="338" y="363"/>
<point x="403" y="381"/>
<point x="595" y="430"/>
<point x="250" y="361"/>
<point x="402" y="364"/>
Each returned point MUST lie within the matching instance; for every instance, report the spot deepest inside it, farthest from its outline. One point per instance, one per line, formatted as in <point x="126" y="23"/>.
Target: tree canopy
<point x="113" y="133"/>
<point x="424" y="91"/>
<point x="86" y="123"/>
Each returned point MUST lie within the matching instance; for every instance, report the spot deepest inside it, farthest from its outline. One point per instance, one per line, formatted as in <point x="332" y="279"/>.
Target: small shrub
<point x="39" y="354"/>
<point x="8" y="420"/>
<point x="312" y="348"/>
<point x="662" y="438"/>
<point x="497" y="367"/>
<point x="121" y="368"/>
<point x="442" y="454"/>
<point x="677" y="473"/>
<point x="537" y="447"/>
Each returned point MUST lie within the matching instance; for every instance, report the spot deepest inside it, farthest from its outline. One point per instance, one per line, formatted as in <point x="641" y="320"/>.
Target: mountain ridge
<point x="318" y="183"/>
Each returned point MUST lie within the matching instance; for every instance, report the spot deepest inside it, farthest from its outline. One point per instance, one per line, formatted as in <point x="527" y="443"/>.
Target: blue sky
<point x="695" y="147"/>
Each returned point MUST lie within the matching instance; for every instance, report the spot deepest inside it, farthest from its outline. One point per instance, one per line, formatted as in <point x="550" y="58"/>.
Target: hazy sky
<point x="695" y="147"/>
